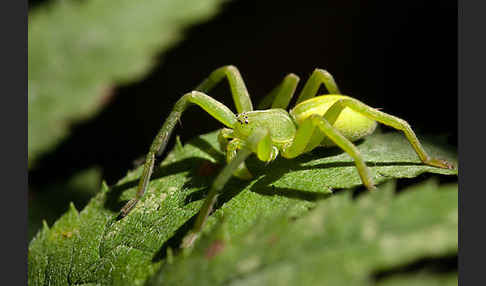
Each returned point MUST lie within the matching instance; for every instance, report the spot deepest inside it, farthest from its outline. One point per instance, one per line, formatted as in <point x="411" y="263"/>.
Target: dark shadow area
<point x="37" y="3"/>
<point x="396" y="58"/>
<point x="431" y="265"/>
<point x="403" y="183"/>
<point x="442" y="179"/>
<point x="264" y="187"/>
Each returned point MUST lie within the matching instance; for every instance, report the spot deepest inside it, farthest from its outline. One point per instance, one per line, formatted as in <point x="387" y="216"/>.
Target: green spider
<point x="315" y="121"/>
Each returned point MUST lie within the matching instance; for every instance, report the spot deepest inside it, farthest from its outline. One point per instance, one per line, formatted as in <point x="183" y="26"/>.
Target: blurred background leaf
<point x="79" y="50"/>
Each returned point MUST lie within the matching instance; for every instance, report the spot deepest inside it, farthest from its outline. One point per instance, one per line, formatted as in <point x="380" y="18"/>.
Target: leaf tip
<point x="72" y="208"/>
<point x="104" y="187"/>
<point x="45" y="226"/>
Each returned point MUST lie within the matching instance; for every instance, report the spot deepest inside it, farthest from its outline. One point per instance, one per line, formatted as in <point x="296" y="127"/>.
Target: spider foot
<point x="370" y="186"/>
<point x="439" y="163"/>
<point x="189" y="239"/>
<point x="127" y="208"/>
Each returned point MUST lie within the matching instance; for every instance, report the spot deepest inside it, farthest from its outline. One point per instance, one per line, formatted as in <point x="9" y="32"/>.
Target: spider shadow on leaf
<point x="113" y="201"/>
<point x="201" y="172"/>
<point x="263" y="178"/>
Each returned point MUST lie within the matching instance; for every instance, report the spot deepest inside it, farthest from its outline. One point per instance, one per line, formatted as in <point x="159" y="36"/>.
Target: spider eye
<point x="246" y="119"/>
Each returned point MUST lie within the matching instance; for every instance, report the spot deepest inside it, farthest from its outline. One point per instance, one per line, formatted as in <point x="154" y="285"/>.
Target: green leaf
<point x="79" y="50"/>
<point x="128" y="251"/>
<point x="340" y="242"/>
<point x="50" y="201"/>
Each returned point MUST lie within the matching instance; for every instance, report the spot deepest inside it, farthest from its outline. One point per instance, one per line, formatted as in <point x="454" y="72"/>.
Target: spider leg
<point x="392" y="121"/>
<point x="224" y="135"/>
<point x="304" y="134"/>
<point x="230" y="148"/>
<point x="348" y="147"/>
<point x="237" y="85"/>
<point x="281" y="95"/>
<point x="231" y="151"/>
<point x="259" y="142"/>
<point x="318" y="77"/>
<point x="210" y="105"/>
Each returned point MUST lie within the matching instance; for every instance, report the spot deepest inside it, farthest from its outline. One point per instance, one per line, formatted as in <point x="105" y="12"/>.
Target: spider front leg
<point x="224" y="136"/>
<point x="214" y="108"/>
<point x="318" y="77"/>
<point x="258" y="142"/>
<point x="210" y="105"/>
<point x="230" y="148"/>
<point x="392" y="121"/>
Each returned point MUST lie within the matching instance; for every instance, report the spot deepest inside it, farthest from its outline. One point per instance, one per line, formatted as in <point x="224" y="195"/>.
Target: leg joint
<point x="404" y="125"/>
<point x="231" y="67"/>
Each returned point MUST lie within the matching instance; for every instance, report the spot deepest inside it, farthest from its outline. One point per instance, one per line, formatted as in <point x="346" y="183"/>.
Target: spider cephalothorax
<point x="315" y="121"/>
